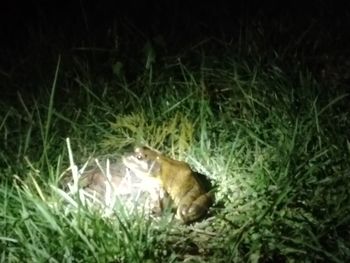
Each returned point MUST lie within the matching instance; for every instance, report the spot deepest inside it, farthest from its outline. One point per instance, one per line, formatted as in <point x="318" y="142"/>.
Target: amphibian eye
<point x="139" y="157"/>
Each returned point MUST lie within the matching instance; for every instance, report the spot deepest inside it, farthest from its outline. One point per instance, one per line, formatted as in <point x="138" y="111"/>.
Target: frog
<point x="185" y="187"/>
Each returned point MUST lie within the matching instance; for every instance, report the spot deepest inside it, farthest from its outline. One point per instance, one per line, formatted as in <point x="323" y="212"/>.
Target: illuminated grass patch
<point x="275" y="147"/>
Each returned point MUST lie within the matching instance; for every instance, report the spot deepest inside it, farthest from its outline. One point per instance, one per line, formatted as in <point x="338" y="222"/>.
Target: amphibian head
<point x="143" y="162"/>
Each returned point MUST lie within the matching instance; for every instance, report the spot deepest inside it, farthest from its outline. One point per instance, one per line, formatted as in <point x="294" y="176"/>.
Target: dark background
<point x="74" y="21"/>
<point x="34" y="33"/>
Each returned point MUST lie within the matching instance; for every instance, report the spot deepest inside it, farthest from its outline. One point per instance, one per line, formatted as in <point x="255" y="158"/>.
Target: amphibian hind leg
<point x="190" y="210"/>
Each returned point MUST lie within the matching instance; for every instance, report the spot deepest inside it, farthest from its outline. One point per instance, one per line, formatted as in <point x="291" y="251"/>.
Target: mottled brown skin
<point x="93" y="180"/>
<point x="182" y="184"/>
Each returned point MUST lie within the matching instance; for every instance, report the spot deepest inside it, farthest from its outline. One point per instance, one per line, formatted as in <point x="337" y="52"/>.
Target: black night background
<point x="252" y="94"/>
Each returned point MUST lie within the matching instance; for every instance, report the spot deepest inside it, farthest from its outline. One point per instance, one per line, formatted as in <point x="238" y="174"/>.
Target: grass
<point x="273" y="142"/>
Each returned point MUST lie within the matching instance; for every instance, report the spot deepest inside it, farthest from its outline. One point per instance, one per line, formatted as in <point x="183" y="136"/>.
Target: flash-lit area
<point x="103" y="186"/>
<point x="164" y="132"/>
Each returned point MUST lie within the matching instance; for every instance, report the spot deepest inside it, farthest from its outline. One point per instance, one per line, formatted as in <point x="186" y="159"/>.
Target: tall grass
<point x="275" y="149"/>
